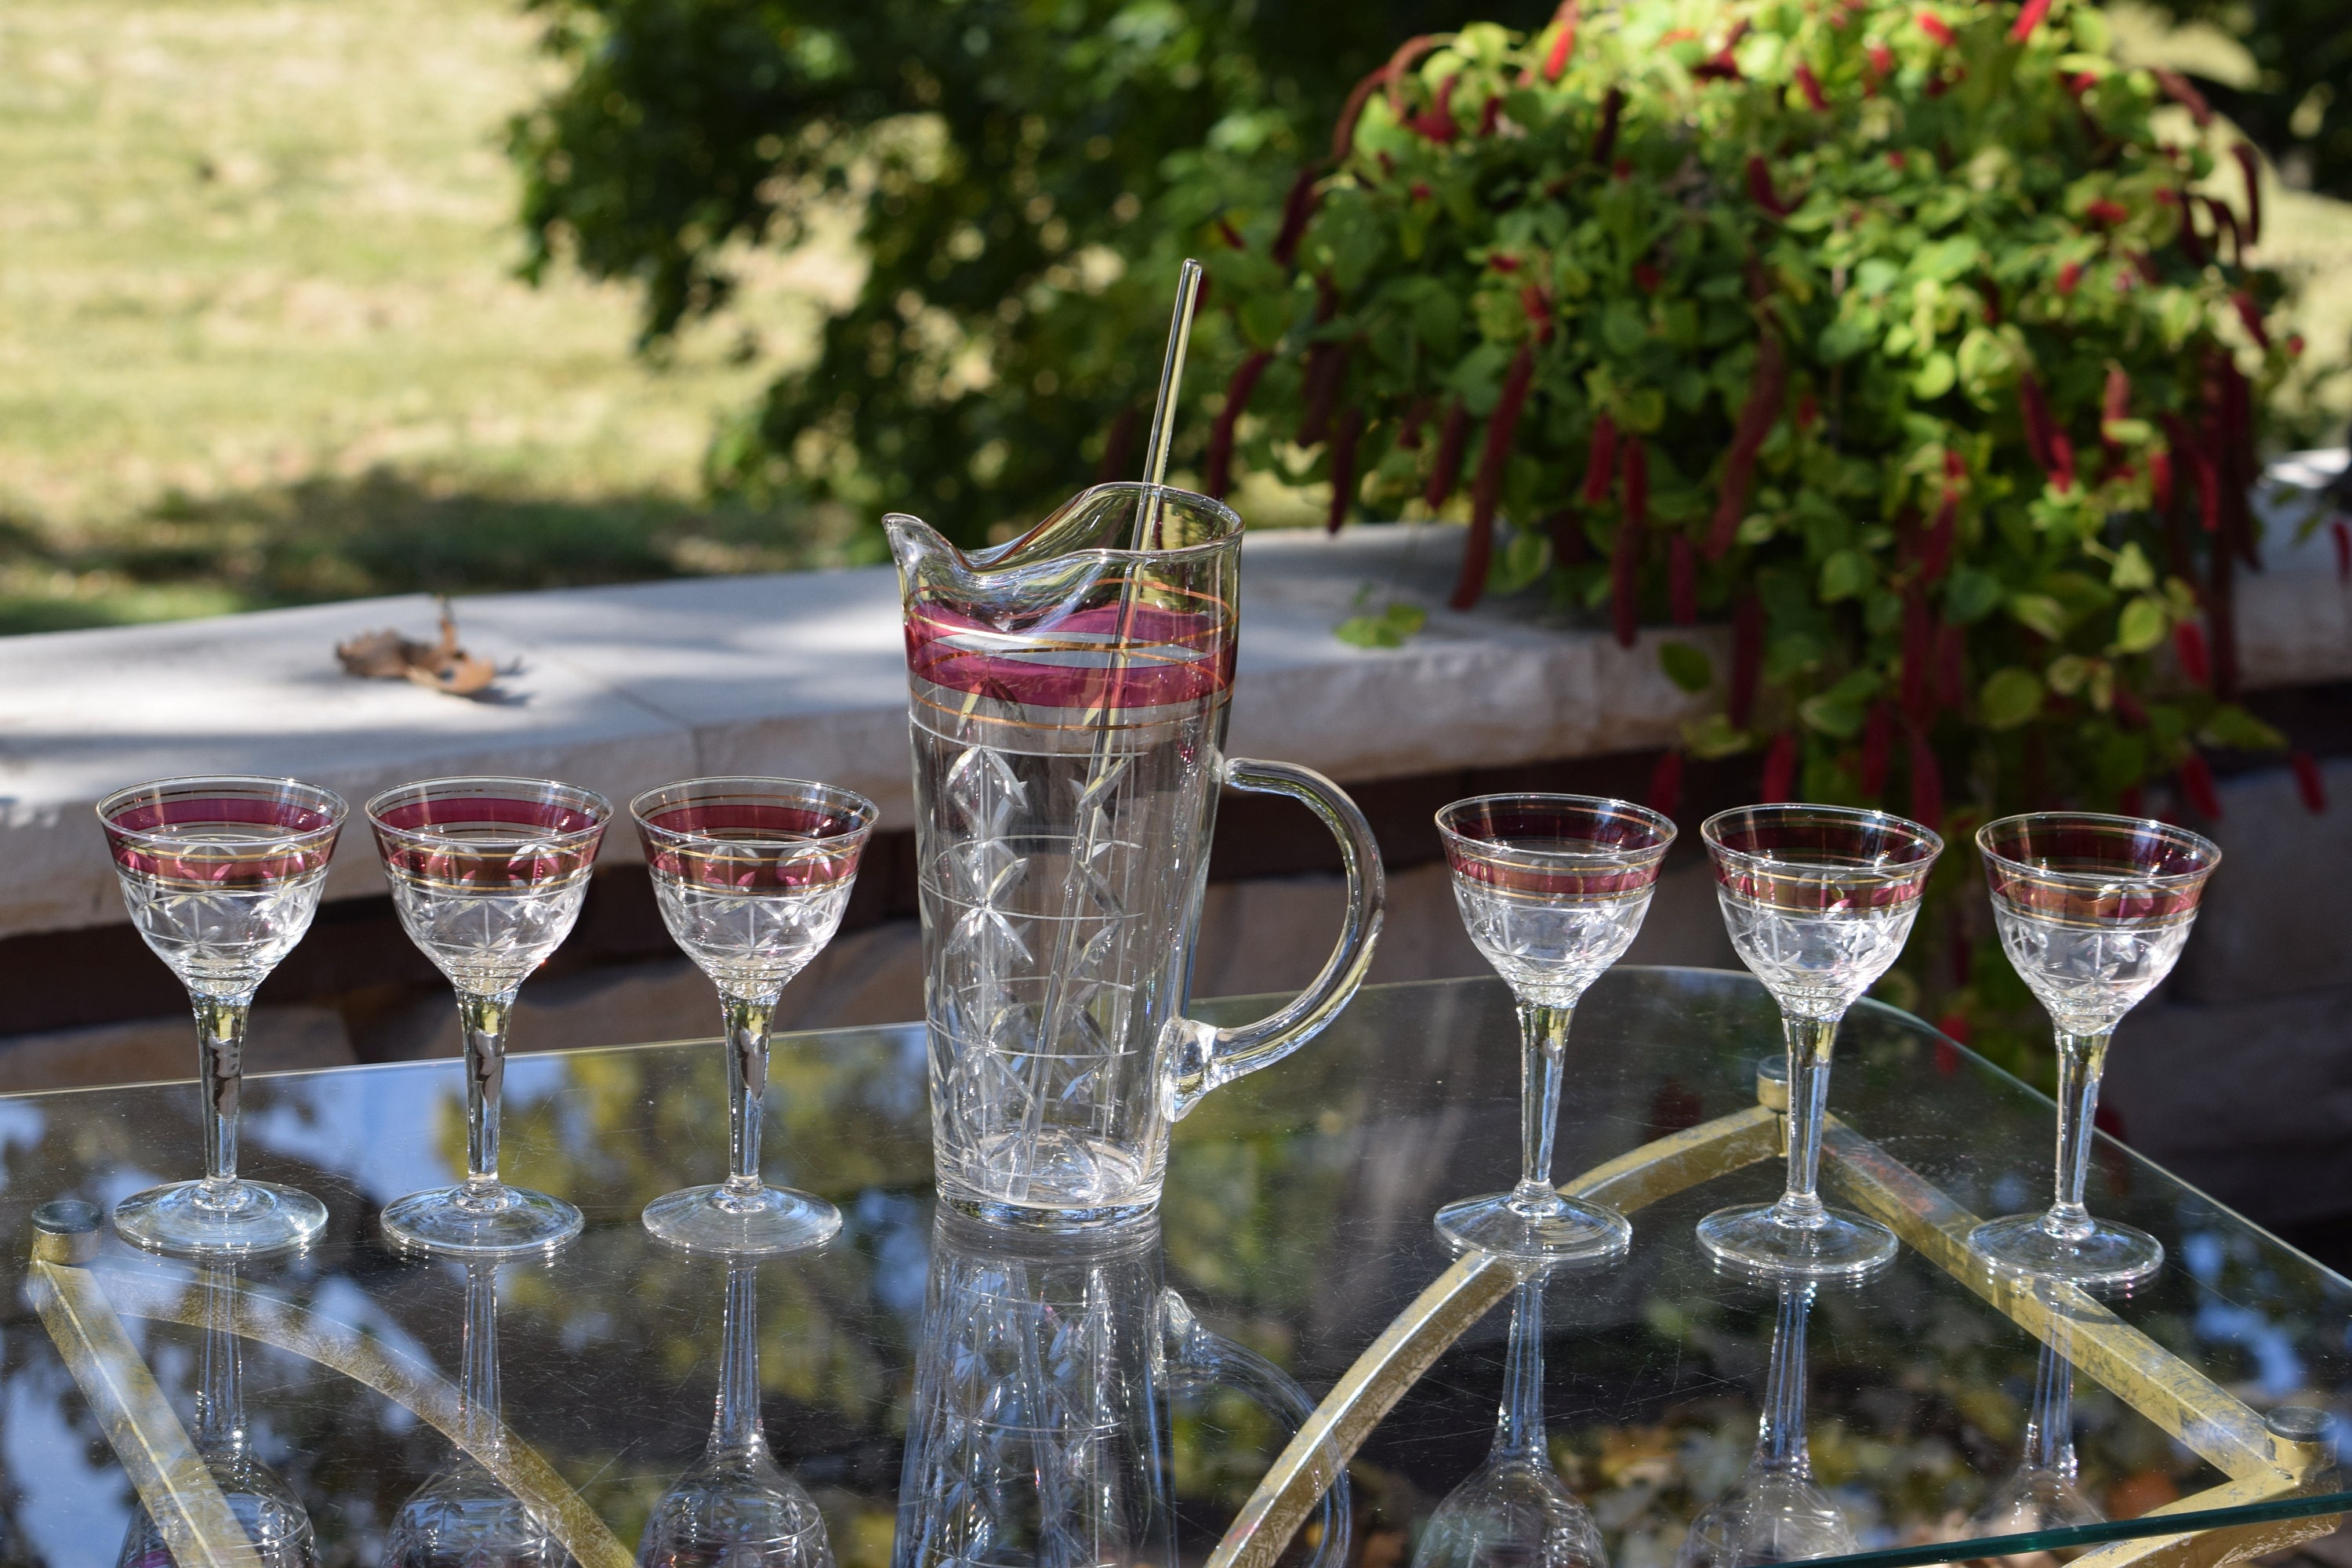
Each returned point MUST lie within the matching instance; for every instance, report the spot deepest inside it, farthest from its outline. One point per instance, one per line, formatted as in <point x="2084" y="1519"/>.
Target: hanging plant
<point x="1916" y="342"/>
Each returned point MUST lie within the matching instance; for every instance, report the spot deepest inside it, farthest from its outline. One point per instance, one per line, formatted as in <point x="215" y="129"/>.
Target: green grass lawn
<point x="260" y="340"/>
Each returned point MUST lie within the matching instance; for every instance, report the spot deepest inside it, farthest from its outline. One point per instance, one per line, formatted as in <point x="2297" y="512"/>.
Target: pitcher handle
<point x="1209" y="1056"/>
<point x="1212" y="1359"/>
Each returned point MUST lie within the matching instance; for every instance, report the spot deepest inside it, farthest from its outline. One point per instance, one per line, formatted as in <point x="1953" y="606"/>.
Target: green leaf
<point x="1526" y="558"/>
<point x="1389" y="628"/>
<point x="1948" y="259"/>
<point x="1263" y="318"/>
<point x="2143" y="623"/>
<point x="1842" y="339"/>
<point x="2232" y="726"/>
<point x="2041" y="612"/>
<point x="2132" y="570"/>
<point x="1622" y="328"/>
<point x="1846" y="575"/>
<point x="1971" y="595"/>
<point x="1934" y="378"/>
<point x="1685" y="665"/>
<point x="2011" y="695"/>
<point x="1712" y="737"/>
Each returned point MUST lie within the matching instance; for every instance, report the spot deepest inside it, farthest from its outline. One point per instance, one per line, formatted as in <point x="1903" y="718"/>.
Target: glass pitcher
<point x="1040" y="1434"/>
<point x="1067" y="694"/>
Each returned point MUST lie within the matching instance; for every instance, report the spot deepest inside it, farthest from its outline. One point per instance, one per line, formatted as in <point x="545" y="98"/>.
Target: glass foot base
<point x="2111" y="1254"/>
<point x="773" y="1219"/>
<point x="1547" y="1230"/>
<point x="495" y="1221"/>
<point x="1754" y="1237"/>
<point x="256" y="1217"/>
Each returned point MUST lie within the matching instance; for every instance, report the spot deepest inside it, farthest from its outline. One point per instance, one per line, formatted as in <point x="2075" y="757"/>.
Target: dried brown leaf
<point x="441" y="665"/>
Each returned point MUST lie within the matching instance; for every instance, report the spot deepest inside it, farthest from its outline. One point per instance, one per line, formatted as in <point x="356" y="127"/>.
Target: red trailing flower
<point x="1326" y="372"/>
<point x="1780" y="779"/>
<point x="1646" y="278"/>
<point x="1877" y="745"/>
<point x="1665" y="793"/>
<point x="1682" y="580"/>
<point x="1221" y="434"/>
<point x="1486" y="492"/>
<point x="2159" y="481"/>
<point x="1537" y="306"/>
<point x="1563" y="47"/>
<point x="1416" y="415"/>
<point x="1927" y="783"/>
<point x="1625" y="559"/>
<point x="2341" y="531"/>
<point x="1231" y="236"/>
<point x="1436" y="123"/>
<point x="1934" y="27"/>
<point x="1343" y="467"/>
<point x="2033" y="409"/>
<point x="2225" y="219"/>
<point x="2061" y="461"/>
<point x="2245" y="153"/>
<point x="2179" y="89"/>
<point x="1490" y="115"/>
<point x="2189" y="647"/>
<point x="1935" y="543"/>
<point x="1297" y="209"/>
<point x="2310" y="783"/>
<point x="1604" y="140"/>
<point x="1915" y="690"/>
<point x="1765" y="392"/>
<point x="1601" y="462"/>
<point x="1810" y="86"/>
<point x="1880" y="65"/>
<point x="2251" y="316"/>
<point x="2196" y="783"/>
<point x="1759" y="187"/>
<point x="2106" y="212"/>
<point x="2029" y="16"/>
<point x="2129" y="710"/>
<point x="1746" y="659"/>
<point x="1447" y="469"/>
<point x="2192" y="244"/>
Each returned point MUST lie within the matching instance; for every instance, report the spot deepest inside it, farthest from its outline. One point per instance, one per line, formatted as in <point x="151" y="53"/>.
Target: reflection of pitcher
<point x="464" y="1515"/>
<point x="1039" y="1436"/>
<point x="1068" y="693"/>
<point x="1775" y="1514"/>
<point x="273" y="1519"/>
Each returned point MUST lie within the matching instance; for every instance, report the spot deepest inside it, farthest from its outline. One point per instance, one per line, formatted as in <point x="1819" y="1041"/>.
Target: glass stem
<point x="220" y="1063"/>
<point x="220" y="1394"/>
<point x="735" y="1430"/>
<point x="747" y="1087"/>
<point x="480" y="1423"/>
<point x="2049" y="1429"/>
<point x="1519" y="1425"/>
<point x="1543" y="1046"/>
<point x="2081" y="1059"/>
<point x="484" y="1021"/>
<point x="1809" y="1041"/>
<point x="1781" y="1435"/>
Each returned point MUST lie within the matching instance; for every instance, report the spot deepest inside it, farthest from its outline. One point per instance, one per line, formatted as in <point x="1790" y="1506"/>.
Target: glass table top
<point x="947" y="1393"/>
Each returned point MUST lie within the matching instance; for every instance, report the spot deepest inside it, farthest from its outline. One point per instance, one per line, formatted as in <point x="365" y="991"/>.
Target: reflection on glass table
<point x="1295" y="1228"/>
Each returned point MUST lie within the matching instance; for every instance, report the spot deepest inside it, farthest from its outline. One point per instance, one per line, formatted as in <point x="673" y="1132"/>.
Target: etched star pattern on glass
<point x="221" y="876"/>
<point x="1552" y="889"/>
<point x="1819" y="901"/>
<point x="752" y="876"/>
<point x="2092" y="911"/>
<point x="487" y="875"/>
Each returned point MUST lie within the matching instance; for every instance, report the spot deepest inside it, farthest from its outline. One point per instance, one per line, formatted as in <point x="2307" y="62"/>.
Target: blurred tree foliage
<point x="1028" y="172"/>
<point x="2300" y="110"/>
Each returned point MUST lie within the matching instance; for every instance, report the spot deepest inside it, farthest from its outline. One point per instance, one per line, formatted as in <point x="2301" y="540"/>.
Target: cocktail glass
<point x="221" y="875"/>
<point x="2042" y="1493"/>
<point x="752" y="876"/>
<point x="1819" y="900"/>
<point x="2092" y="911"/>
<point x="1514" y="1511"/>
<point x="489" y="875"/>
<point x="1553" y="889"/>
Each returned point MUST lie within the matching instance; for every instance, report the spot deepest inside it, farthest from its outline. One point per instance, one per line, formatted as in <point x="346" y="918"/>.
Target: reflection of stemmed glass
<point x="1819" y="900"/>
<point x="1553" y="889"/>
<point x="1513" y="1512"/>
<point x="2040" y="1494"/>
<point x="2092" y="911"/>
<point x="222" y="877"/>
<point x="735" y="1506"/>
<point x="489" y="875"/>
<point x="463" y="1513"/>
<point x="752" y="876"/>
<point x="272" y="1516"/>
<point x="1774" y="1513"/>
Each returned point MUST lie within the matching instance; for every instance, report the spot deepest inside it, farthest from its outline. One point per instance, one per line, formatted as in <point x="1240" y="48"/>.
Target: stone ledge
<point x="621" y="689"/>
